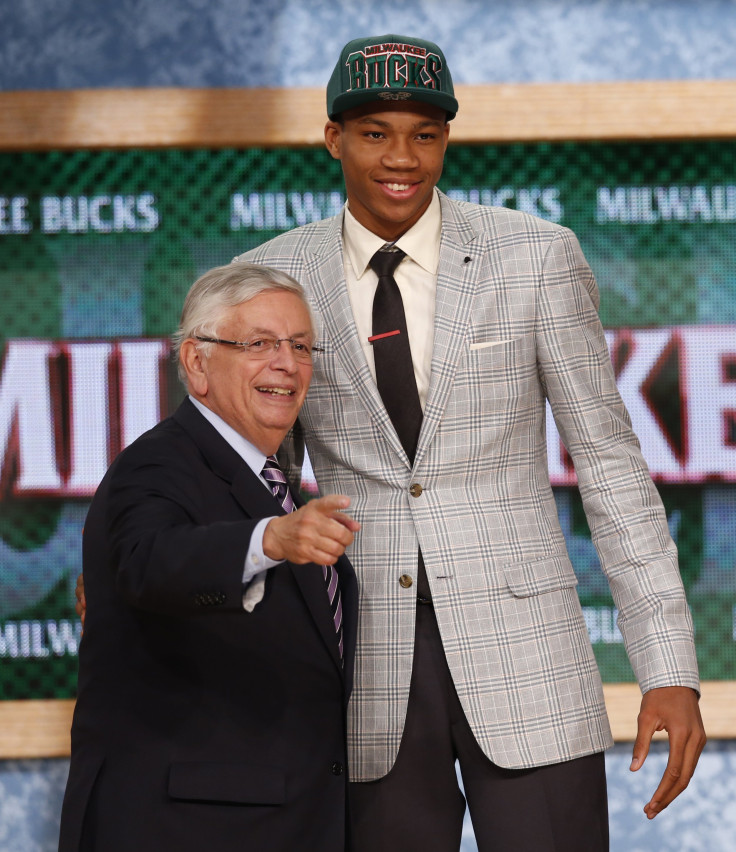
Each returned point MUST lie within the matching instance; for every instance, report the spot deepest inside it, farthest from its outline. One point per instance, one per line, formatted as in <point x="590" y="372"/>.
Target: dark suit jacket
<point x="199" y="725"/>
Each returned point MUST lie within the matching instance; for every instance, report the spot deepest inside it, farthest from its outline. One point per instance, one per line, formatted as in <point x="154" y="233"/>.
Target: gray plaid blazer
<point x="516" y="324"/>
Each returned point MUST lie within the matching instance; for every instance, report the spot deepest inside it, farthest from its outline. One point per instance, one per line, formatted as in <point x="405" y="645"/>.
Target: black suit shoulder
<point x="162" y="513"/>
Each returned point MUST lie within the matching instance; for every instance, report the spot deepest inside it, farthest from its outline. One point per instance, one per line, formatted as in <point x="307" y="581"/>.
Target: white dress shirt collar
<point x="251" y="455"/>
<point x="421" y="242"/>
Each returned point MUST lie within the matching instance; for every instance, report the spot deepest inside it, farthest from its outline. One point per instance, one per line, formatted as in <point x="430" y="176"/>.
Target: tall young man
<point x="471" y="641"/>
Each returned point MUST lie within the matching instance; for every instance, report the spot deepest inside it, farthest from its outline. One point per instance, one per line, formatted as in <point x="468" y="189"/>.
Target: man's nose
<point x="400" y="154"/>
<point x="283" y="356"/>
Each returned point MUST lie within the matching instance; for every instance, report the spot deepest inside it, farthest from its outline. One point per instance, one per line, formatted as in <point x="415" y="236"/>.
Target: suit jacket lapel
<point x="457" y="276"/>
<point x="310" y="580"/>
<point x="325" y="281"/>
<point x="257" y="502"/>
<point x="249" y="491"/>
<point x="456" y="286"/>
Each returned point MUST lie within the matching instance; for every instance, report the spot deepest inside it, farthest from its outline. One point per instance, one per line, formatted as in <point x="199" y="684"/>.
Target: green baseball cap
<point x="390" y="68"/>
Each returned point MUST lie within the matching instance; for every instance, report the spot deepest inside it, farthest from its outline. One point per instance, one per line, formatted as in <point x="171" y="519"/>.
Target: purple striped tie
<point x="273" y="474"/>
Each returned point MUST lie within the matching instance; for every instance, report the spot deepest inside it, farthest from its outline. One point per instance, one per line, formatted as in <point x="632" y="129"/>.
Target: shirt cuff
<point x="255" y="559"/>
<point x="256" y="564"/>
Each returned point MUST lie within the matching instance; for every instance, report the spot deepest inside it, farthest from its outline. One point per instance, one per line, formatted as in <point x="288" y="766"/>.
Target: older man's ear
<point x="192" y="361"/>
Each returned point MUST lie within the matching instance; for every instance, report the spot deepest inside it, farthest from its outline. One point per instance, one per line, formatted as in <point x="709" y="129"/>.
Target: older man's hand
<point x="317" y="532"/>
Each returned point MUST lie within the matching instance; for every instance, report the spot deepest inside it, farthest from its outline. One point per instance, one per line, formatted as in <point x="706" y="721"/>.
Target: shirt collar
<point x="421" y="242"/>
<point x="251" y="455"/>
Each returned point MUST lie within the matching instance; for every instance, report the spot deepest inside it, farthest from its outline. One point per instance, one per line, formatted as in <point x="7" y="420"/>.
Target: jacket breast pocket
<point x="547" y="574"/>
<point x="499" y="377"/>
<point x="502" y="354"/>
<point x="232" y="783"/>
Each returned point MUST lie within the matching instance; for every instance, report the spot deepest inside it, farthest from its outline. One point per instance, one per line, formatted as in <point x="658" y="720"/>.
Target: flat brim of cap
<point x="350" y="100"/>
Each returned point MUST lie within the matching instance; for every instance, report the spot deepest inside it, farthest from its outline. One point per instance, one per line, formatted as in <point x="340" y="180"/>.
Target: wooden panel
<point x="718" y="699"/>
<point x="175" y="117"/>
<point x="587" y="111"/>
<point x="35" y="728"/>
<point x="41" y="728"/>
<point x="159" y="117"/>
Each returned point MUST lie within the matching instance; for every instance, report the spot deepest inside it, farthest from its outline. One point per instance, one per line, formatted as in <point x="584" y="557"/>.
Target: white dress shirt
<point x="416" y="277"/>
<point x="256" y="561"/>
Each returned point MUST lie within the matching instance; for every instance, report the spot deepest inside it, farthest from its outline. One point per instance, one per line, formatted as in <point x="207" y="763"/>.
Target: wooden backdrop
<point x="219" y="118"/>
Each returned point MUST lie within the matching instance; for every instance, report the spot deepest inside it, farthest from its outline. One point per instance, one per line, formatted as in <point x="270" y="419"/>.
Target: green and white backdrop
<point x="98" y="248"/>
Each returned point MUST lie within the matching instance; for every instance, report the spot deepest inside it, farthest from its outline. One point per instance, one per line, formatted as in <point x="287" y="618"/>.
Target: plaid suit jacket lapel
<point x="324" y="276"/>
<point x="456" y="287"/>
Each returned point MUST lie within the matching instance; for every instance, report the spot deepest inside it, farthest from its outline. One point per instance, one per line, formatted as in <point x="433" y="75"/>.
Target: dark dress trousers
<point x="199" y="725"/>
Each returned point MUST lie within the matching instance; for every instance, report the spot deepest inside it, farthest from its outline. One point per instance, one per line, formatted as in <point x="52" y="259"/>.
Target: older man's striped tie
<point x="273" y="474"/>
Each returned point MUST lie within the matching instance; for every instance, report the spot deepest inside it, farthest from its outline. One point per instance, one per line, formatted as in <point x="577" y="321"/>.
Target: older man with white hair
<point x="217" y="655"/>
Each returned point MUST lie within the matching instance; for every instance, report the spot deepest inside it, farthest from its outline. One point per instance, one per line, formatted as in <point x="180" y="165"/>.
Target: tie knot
<point x="385" y="261"/>
<point x="276" y="479"/>
<point x="272" y="464"/>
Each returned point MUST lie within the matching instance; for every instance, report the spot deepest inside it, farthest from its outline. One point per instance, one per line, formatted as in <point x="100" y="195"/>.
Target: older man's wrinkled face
<point x="259" y="397"/>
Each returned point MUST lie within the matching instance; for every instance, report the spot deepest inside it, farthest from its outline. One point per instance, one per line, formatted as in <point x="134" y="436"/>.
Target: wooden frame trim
<point x="34" y="729"/>
<point x="218" y="118"/>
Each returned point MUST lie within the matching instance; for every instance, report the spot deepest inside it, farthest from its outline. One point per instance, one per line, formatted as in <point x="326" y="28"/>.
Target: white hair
<point x="222" y="288"/>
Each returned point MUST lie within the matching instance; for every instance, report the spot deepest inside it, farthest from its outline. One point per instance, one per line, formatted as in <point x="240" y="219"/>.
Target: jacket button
<point x="337" y="768"/>
<point x="415" y="489"/>
<point x="405" y="581"/>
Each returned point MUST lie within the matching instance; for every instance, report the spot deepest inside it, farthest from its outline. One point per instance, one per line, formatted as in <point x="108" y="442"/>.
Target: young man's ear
<point x="333" y="138"/>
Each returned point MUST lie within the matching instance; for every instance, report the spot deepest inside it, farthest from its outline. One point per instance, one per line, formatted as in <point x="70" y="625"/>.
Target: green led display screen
<point x="98" y="248"/>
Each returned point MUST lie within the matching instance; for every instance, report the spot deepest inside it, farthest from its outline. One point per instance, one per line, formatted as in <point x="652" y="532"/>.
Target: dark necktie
<point x="395" y="377"/>
<point x="273" y="474"/>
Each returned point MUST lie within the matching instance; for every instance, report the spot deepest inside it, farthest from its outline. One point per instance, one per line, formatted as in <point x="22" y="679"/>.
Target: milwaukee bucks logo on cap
<point x="390" y="67"/>
<point x="394" y="66"/>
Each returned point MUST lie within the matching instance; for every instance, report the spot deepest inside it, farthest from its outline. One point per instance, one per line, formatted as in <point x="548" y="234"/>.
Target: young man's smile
<point x="392" y="156"/>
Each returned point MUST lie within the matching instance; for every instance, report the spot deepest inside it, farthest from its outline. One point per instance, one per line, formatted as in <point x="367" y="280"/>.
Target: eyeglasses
<point x="263" y="348"/>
